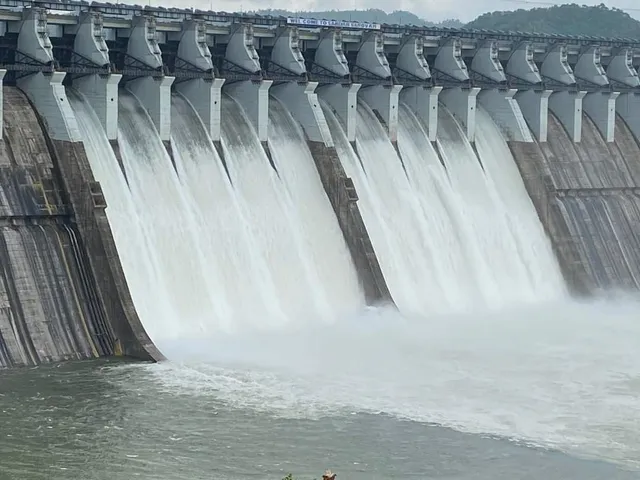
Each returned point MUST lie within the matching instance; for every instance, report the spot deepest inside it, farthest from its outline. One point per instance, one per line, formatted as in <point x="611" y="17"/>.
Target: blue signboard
<point x="314" y="22"/>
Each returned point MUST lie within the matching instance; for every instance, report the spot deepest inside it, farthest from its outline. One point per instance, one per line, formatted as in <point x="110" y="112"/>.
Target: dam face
<point x="162" y="164"/>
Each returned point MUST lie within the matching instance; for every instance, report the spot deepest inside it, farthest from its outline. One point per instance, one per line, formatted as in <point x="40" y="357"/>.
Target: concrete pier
<point x="486" y="62"/>
<point x="193" y="48"/>
<point x="153" y="91"/>
<point x="522" y="65"/>
<point x="45" y="90"/>
<point x="556" y="66"/>
<point x="621" y="69"/>
<point x="384" y="101"/>
<point x="33" y="39"/>
<point x="423" y="100"/>
<point x="100" y="90"/>
<point x="601" y="108"/>
<point x="534" y="106"/>
<point x="449" y="61"/>
<point x="410" y="59"/>
<point x="628" y="107"/>
<point x="89" y="41"/>
<point x="462" y="105"/>
<point x="206" y="97"/>
<point x="589" y="67"/>
<point x="254" y="99"/>
<point x="343" y="99"/>
<point x="204" y="93"/>
<point x="371" y="57"/>
<point x="382" y="98"/>
<point x="302" y="101"/>
<point x="252" y="95"/>
<point x="567" y="106"/>
<point x="424" y="103"/>
<point x="50" y="99"/>
<point x="286" y="53"/>
<point x="330" y="54"/>
<point x="241" y="50"/>
<point x="505" y="111"/>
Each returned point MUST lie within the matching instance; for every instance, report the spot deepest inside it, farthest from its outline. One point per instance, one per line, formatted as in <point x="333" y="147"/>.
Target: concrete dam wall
<point x="586" y="195"/>
<point x="51" y="305"/>
<point x="171" y="175"/>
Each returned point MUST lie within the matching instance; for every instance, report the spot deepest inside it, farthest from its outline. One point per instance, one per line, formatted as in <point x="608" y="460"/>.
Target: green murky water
<point x="109" y="420"/>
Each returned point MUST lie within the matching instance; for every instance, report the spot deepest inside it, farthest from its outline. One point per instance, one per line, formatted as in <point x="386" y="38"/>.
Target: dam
<point x="173" y="174"/>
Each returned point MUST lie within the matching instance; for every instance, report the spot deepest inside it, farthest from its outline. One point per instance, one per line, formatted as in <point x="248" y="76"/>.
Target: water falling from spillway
<point x="245" y="284"/>
<point x="459" y="255"/>
<point x="173" y="236"/>
<point x="124" y="219"/>
<point x="287" y="236"/>
<point x="330" y="262"/>
<point x="533" y="246"/>
<point x="382" y="204"/>
<point x="482" y="213"/>
<point x="206" y="252"/>
<point x="449" y="235"/>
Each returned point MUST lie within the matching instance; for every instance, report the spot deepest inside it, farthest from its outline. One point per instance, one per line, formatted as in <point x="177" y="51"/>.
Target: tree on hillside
<point x="563" y="19"/>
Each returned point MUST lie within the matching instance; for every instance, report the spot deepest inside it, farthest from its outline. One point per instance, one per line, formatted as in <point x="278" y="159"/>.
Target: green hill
<point x="398" y="17"/>
<point x="563" y="19"/>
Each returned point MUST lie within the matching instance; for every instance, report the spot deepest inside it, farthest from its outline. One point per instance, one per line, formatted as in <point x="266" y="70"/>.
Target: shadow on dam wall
<point x="585" y="195"/>
<point x="56" y="300"/>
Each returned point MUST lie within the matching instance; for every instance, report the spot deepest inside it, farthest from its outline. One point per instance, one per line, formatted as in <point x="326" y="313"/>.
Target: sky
<point x="433" y="10"/>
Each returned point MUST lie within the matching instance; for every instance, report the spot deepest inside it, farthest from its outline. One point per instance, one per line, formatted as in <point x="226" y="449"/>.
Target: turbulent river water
<point x="544" y="392"/>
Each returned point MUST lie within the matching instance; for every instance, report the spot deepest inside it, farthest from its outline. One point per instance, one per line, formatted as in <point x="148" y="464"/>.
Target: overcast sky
<point x="434" y="10"/>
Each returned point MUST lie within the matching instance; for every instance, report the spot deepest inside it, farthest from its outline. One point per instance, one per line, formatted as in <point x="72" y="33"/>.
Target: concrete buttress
<point x="522" y="65"/>
<point x="343" y="99"/>
<point x="534" y="106"/>
<point x="601" y="108"/>
<point x="567" y="107"/>
<point x="100" y="90"/>
<point x="462" y="104"/>
<point x="384" y="100"/>
<point x="621" y="68"/>
<point x="505" y="111"/>
<point x="486" y="62"/>
<point x="424" y="103"/>
<point x="153" y="91"/>
<point x="205" y="93"/>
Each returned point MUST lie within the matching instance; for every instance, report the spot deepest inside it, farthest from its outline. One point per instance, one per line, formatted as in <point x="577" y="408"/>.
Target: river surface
<point x="524" y="395"/>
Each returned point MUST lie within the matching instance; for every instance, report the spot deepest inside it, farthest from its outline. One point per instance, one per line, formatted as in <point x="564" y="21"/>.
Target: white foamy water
<point x="232" y="253"/>
<point x="460" y="263"/>
<point x="449" y="237"/>
<point x="385" y="243"/>
<point x="172" y="235"/>
<point x="508" y="280"/>
<point x="391" y="212"/>
<point x="124" y="220"/>
<point x="561" y="375"/>
<point x="533" y="246"/>
<point x="291" y="245"/>
<point x="203" y="256"/>
<point x="330" y="261"/>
